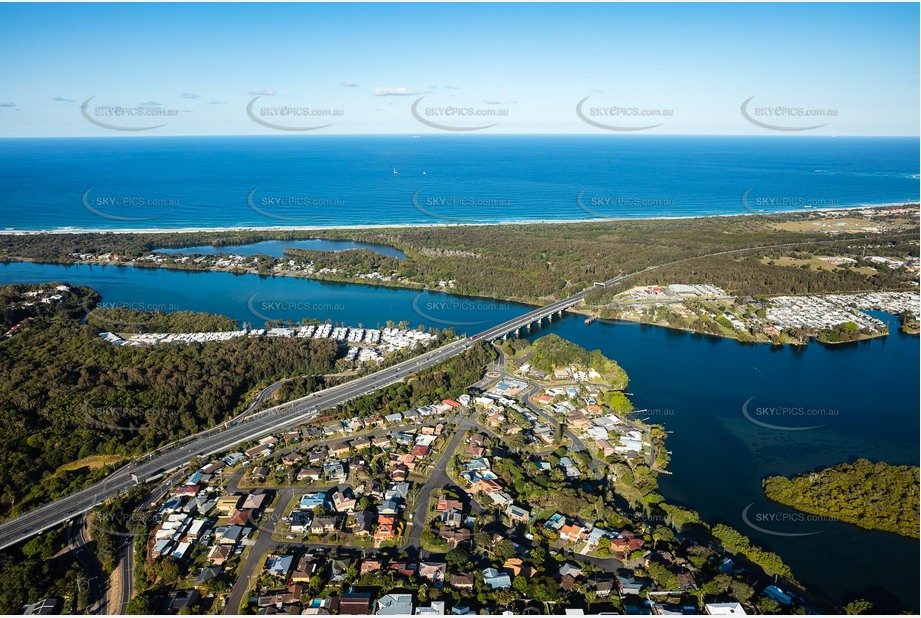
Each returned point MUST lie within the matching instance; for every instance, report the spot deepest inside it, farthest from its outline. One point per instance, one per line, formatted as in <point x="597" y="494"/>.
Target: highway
<point x="86" y="558"/>
<point x="226" y="436"/>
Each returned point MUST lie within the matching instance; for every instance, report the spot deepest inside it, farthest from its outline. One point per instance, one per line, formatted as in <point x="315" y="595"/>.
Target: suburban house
<point x="433" y="571"/>
<point x="395" y="605"/>
<point x="355" y="603"/>
<point x="496" y="580"/>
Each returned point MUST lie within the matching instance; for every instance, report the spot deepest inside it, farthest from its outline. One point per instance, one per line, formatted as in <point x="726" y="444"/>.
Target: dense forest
<point x="38" y="569"/>
<point x="123" y="320"/>
<point x="66" y="396"/>
<point x="535" y="262"/>
<point x="876" y="496"/>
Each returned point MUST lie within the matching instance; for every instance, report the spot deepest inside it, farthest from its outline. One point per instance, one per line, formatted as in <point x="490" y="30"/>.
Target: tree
<point x="139" y="605"/>
<point x="741" y="591"/>
<point x="860" y="606"/>
<point x="768" y="606"/>
<point x="504" y="550"/>
<point x="458" y="557"/>
<point x="718" y="585"/>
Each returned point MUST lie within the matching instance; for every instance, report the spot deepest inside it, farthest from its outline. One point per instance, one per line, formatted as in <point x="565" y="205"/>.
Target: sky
<point x="258" y="69"/>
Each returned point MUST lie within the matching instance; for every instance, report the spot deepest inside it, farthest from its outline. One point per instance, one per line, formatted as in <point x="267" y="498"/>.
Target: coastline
<point x="309" y="228"/>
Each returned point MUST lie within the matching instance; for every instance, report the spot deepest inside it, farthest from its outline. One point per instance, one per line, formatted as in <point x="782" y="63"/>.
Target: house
<point x="437" y="608"/>
<point x="517" y="567"/>
<point x="398" y="491"/>
<point x="370" y="566"/>
<point x="602" y="585"/>
<point x="572" y="532"/>
<point x="334" y="471"/>
<point x="254" y="501"/>
<point x="240" y="518"/>
<point x="257" y="451"/>
<point x="207" y="574"/>
<point x="452" y="519"/>
<point x="403" y="568"/>
<point x="324" y="524"/>
<point x="355" y="604"/>
<point x="219" y="554"/>
<point x="448" y="504"/>
<point x="316" y="456"/>
<point x="338" y="567"/>
<point x="571" y="570"/>
<point x="300" y="521"/>
<point x="775" y="593"/>
<point x="517" y="515"/>
<point x="632" y="585"/>
<point x="228" y="503"/>
<point x="386" y="527"/>
<point x="725" y="609"/>
<point x="626" y="544"/>
<point x="340" y="449"/>
<point x="419" y="451"/>
<point x="390" y="507"/>
<point x="364" y="523"/>
<point x="181" y="599"/>
<point x="291" y="458"/>
<point x="213" y="467"/>
<point x="305" y="569"/>
<point x="279" y="566"/>
<point x="462" y="581"/>
<point x="474" y="451"/>
<point x="51" y="605"/>
<point x="312" y="501"/>
<point x="230" y="535"/>
<point x="309" y="474"/>
<point x="500" y="498"/>
<point x="496" y="580"/>
<point x="259" y="473"/>
<point x="344" y="500"/>
<point x="433" y="571"/>
<point x="395" y="605"/>
<point x="455" y="536"/>
<point x="400" y="473"/>
<point x="278" y="599"/>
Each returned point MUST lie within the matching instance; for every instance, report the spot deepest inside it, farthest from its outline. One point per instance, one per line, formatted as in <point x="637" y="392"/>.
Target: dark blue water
<point x="253" y="299"/>
<point x="695" y="385"/>
<point x="276" y="248"/>
<point x="339" y="180"/>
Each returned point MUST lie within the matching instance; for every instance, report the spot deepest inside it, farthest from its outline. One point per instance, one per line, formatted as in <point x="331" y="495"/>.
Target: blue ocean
<point x="302" y="181"/>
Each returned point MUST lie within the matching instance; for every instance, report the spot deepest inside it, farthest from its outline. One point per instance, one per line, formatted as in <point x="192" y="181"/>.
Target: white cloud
<point x="263" y="92"/>
<point x="189" y="95"/>
<point x="398" y="91"/>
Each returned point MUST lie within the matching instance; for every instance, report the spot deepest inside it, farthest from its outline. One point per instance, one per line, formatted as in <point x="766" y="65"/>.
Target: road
<point x="119" y="606"/>
<point x="218" y="440"/>
<point x="437" y="479"/>
<point x="226" y="436"/>
<point x="263" y="542"/>
<point x="83" y="553"/>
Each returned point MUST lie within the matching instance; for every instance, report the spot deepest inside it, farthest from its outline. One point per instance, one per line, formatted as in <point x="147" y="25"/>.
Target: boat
<point x="395" y="171"/>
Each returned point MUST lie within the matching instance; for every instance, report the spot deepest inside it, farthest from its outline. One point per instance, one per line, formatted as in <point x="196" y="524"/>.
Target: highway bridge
<point x="225" y="437"/>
